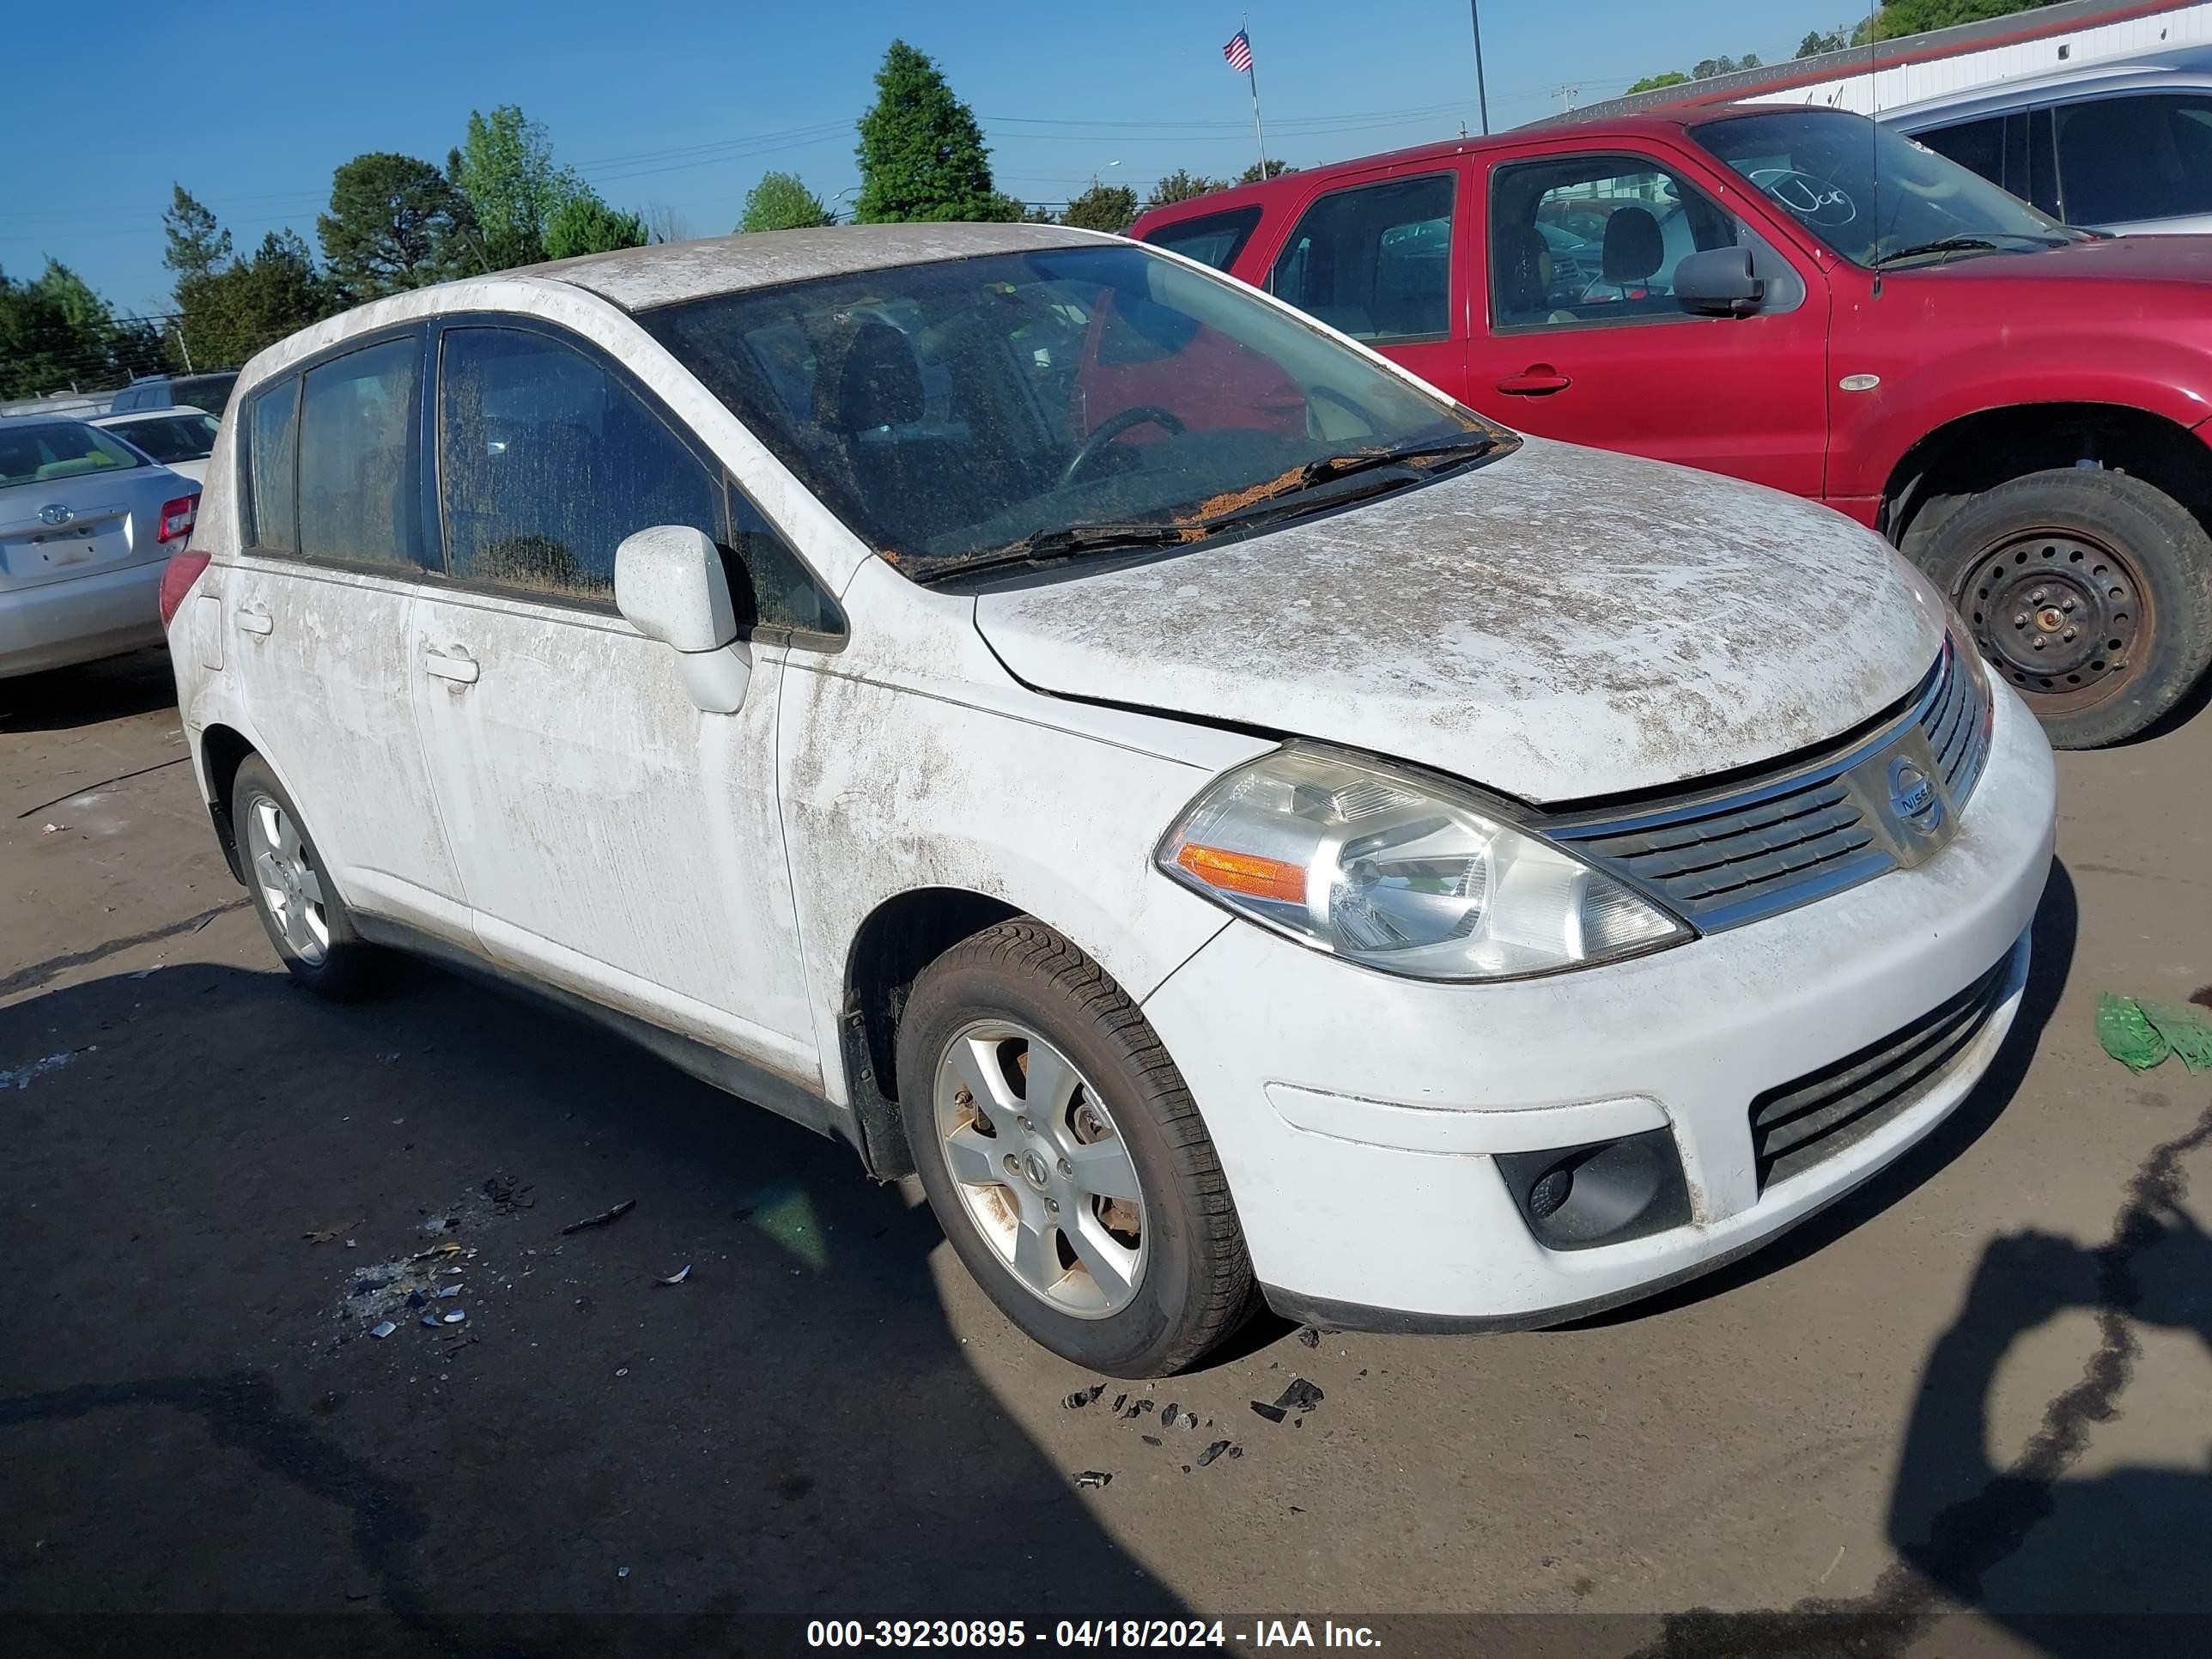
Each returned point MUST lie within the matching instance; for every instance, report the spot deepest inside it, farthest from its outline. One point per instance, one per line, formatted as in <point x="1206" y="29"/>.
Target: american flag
<point x="1238" y="52"/>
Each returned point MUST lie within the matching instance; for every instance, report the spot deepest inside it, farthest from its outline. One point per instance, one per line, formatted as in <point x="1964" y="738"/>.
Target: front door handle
<point x="255" y="619"/>
<point x="455" y="666"/>
<point x="1537" y="380"/>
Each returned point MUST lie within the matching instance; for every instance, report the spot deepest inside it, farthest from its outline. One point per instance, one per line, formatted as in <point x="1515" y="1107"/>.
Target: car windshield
<point x="59" y="449"/>
<point x="1873" y="195"/>
<point x="187" y="435"/>
<point x="951" y="412"/>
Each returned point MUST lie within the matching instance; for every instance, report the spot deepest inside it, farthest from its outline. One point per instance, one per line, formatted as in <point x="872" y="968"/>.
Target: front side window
<point x="47" y="452"/>
<point x="547" y="461"/>
<point x="1583" y="239"/>
<point x="1374" y="261"/>
<point x="2122" y="160"/>
<point x="272" y="431"/>
<point x="1212" y="239"/>
<point x="357" y="457"/>
<point x="1978" y="146"/>
<point x="949" y="412"/>
<point x="166" y="438"/>
<point x="1874" y="196"/>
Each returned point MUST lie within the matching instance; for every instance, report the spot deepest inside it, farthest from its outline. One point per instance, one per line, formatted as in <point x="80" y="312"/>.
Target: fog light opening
<point x="1575" y="1198"/>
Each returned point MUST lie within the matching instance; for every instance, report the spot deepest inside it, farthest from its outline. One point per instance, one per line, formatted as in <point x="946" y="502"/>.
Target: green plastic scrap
<point x="2187" y="1032"/>
<point x="2127" y="1033"/>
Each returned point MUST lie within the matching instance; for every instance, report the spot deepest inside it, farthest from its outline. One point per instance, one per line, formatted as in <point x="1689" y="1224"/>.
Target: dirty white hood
<point x="1559" y="624"/>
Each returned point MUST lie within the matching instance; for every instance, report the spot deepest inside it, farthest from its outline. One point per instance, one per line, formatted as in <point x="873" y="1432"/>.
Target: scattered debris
<point x="1310" y="1336"/>
<point x="430" y="1319"/>
<point x="1152" y="1440"/>
<point x="382" y="1329"/>
<point x="621" y="1572"/>
<point x="1236" y="1451"/>
<point x="604" y="1218"/>
<point x="147" y="973"/>
<point x="1139" y="1408"/>
<point x="2139" y="1034"/>
<point x="23" y="1076"/>
<point x="52" y="829"/>
<point x="677" y="1277"/>
<point x="1273" y="1413"/>
<point x="1211" y="1452"/>
<point x="507" y="1195"/>
<point x="1833" y="1565"/>
<point x="1300" y="1396"/>
<point x="457" y="1315"/>
<point x="453" y="1289"/>
<point x="1082" y="1397"/>
<point x="1094" y="1478"/>
<point x="1120" y="1400"/>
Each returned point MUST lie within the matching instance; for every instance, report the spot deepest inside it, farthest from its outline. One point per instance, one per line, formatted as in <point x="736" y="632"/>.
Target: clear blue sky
<point x="685" y="105"/>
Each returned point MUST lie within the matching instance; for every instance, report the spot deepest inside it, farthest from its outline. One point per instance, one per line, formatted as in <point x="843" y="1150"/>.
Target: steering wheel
<point x="1112" y="428"/>
<point x="1329" y="394"/>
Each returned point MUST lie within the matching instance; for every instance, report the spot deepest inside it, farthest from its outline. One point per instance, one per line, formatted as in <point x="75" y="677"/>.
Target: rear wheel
<point x="2089" y="592"/>
<point x="1065" y="1159"/>
<point x="307" y="921"/>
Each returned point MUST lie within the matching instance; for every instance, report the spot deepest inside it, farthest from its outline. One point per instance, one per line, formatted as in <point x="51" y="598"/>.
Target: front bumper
<point x="1356" y="1114"/>
<point x="55" y="624"/>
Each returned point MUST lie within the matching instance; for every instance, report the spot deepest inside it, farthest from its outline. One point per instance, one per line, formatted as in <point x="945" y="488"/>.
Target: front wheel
<point x="2089" y="592"/>
<point x="1065" y="1159"/>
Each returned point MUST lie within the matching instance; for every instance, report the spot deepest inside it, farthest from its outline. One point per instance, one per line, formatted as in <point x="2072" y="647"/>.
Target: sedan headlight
<point x="1401" y="872"/>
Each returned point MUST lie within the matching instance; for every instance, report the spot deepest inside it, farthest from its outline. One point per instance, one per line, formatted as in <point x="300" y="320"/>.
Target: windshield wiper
<point x="1466" y="446"/>
<point x="1984" y="243"/>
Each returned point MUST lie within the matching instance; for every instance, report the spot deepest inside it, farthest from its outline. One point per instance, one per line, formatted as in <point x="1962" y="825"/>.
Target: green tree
<point x="781" y="202"/>
<point x="395" y="223"/>
<point x="196" y="243"/>
<point x="921" y="154"/>
<point x="1898" y="18"/>
<point x="39" y="352"/>
<point x="86" y="312"/>
<point x="585" y="224"/>
<point x="1705" y="68"/>
<point x="1180" y="185"/>
<point x="226" y="316"/>
<point x="1275" y="169"/>
<point x="1659" y="83"/>
<point x="1037" y="214"/>
<point x="505" y="166"/>
<point x="1817" y="41"/>
<point x="1102" y="207"/>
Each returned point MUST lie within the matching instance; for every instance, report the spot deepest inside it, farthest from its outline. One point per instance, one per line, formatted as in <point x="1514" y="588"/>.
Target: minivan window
<point x="1170" y="394"/>
<point x="2126" y="160"/>
<point x="357" y="456"/>
<point x="1834" y="172"/>
<point x="271" y="515"/>
<point x="1212" y="239"/>
<point x="547" y="461"/>
<point x="59" y="449"/>
<point x="1374" y="261"/>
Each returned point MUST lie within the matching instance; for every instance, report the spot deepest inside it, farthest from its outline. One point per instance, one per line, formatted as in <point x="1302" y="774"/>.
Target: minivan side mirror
<point x="1719" y="282"/>
<point x="670" y="586"/>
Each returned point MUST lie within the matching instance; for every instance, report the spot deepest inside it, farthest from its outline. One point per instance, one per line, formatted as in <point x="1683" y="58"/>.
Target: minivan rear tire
<point x="327" y="955"/>
<point x="2071" y="545"/>
<point x="999" y="995"/>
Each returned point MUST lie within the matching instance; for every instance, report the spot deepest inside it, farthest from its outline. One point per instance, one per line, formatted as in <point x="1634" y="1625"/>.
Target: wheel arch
<point x="223" y="750"/>
<point x="1976" y="452"/>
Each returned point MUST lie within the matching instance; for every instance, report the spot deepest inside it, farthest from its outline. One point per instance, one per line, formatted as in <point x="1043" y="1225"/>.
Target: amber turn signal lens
<point x="1244" y="872"/>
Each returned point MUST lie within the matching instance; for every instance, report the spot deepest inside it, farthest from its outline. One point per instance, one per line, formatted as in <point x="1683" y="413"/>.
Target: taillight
<point x="177" y="578"/>
<point x="177" y="518"/>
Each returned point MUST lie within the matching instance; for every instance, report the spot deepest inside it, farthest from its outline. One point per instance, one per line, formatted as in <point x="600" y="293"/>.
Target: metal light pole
<point x="1481" y="96"/>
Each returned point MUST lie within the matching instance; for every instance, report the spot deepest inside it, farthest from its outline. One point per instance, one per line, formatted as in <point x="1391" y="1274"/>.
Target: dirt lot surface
<point x="1977" y="1396"/>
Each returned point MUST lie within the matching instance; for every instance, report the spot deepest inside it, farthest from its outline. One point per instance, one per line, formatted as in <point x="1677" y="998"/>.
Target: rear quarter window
<point x="1212" y="239"/>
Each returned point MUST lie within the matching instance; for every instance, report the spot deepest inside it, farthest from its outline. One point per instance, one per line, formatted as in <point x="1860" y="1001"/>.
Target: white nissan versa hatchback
<point x="1238" y="825"/>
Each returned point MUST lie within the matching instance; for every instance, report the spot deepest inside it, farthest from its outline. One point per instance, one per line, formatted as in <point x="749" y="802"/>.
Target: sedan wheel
<point x="289" y="886"/>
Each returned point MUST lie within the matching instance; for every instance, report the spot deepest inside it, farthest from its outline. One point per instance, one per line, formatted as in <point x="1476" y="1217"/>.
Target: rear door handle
<point x="1538" y="381"/>
<point x="255" y="619"/>
<point x="455" y="666"/>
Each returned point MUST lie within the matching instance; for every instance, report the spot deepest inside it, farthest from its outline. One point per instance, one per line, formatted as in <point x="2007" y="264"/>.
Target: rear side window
<point x="272" y="427"/>
<point x="1374" y="261"/>
<point x="358" y="465"/>
<point x="1212" y="239"/>
<point x="2122" y="160"/>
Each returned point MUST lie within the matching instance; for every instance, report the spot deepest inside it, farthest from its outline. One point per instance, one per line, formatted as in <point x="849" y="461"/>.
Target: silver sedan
<point x="87" y="523"/>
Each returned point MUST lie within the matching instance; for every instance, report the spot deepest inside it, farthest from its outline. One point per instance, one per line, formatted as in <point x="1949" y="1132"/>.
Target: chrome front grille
<point x="1810" y="828"/>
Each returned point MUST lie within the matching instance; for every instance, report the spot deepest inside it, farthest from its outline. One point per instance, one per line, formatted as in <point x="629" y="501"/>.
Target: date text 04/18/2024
<point x="1083" y="1633"/>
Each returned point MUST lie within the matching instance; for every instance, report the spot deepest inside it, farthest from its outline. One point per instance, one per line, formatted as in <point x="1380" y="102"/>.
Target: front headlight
<point x="1408" y="874"/>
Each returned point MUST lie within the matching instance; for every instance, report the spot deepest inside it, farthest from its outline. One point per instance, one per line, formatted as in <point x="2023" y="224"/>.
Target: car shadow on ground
<point x="64" y="699"/>
<point x="211" y="1174"/>
<point x="2057" y="922"/>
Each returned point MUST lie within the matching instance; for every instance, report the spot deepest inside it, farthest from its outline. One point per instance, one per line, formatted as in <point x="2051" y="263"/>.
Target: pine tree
<point x="921" y="154"/>
<point x="395" y="223"/>
<point x="197" y="244"/>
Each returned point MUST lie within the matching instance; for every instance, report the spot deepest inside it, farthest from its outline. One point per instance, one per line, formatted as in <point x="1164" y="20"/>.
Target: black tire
<point x="2113" y="578"/>
<point x="1196" y="1286"/>
<point x="350" y="966"/>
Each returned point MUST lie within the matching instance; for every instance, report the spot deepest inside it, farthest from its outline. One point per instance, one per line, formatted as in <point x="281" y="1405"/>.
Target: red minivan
<point x="1800" y="298"/>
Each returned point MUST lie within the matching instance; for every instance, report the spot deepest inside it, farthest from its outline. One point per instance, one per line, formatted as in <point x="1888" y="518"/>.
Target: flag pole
<point x="1252" y="76"/>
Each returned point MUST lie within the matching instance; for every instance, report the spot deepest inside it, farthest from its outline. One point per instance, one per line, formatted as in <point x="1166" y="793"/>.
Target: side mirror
<point x="1719" y="282"/>
<point x="670" y="586"/>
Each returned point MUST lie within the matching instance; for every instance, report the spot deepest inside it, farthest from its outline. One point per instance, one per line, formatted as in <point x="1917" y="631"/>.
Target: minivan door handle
<point x="1537" y="380"/>
<point x="255" y="619"/>
<point x="456" y="665"/>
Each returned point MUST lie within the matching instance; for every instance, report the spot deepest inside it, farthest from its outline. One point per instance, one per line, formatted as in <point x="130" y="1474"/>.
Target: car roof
<point x="667" y="272"/>
<point x="131" y="416"/>
<point x="1661" y="123"/>
<point x="2172" y="71"/>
